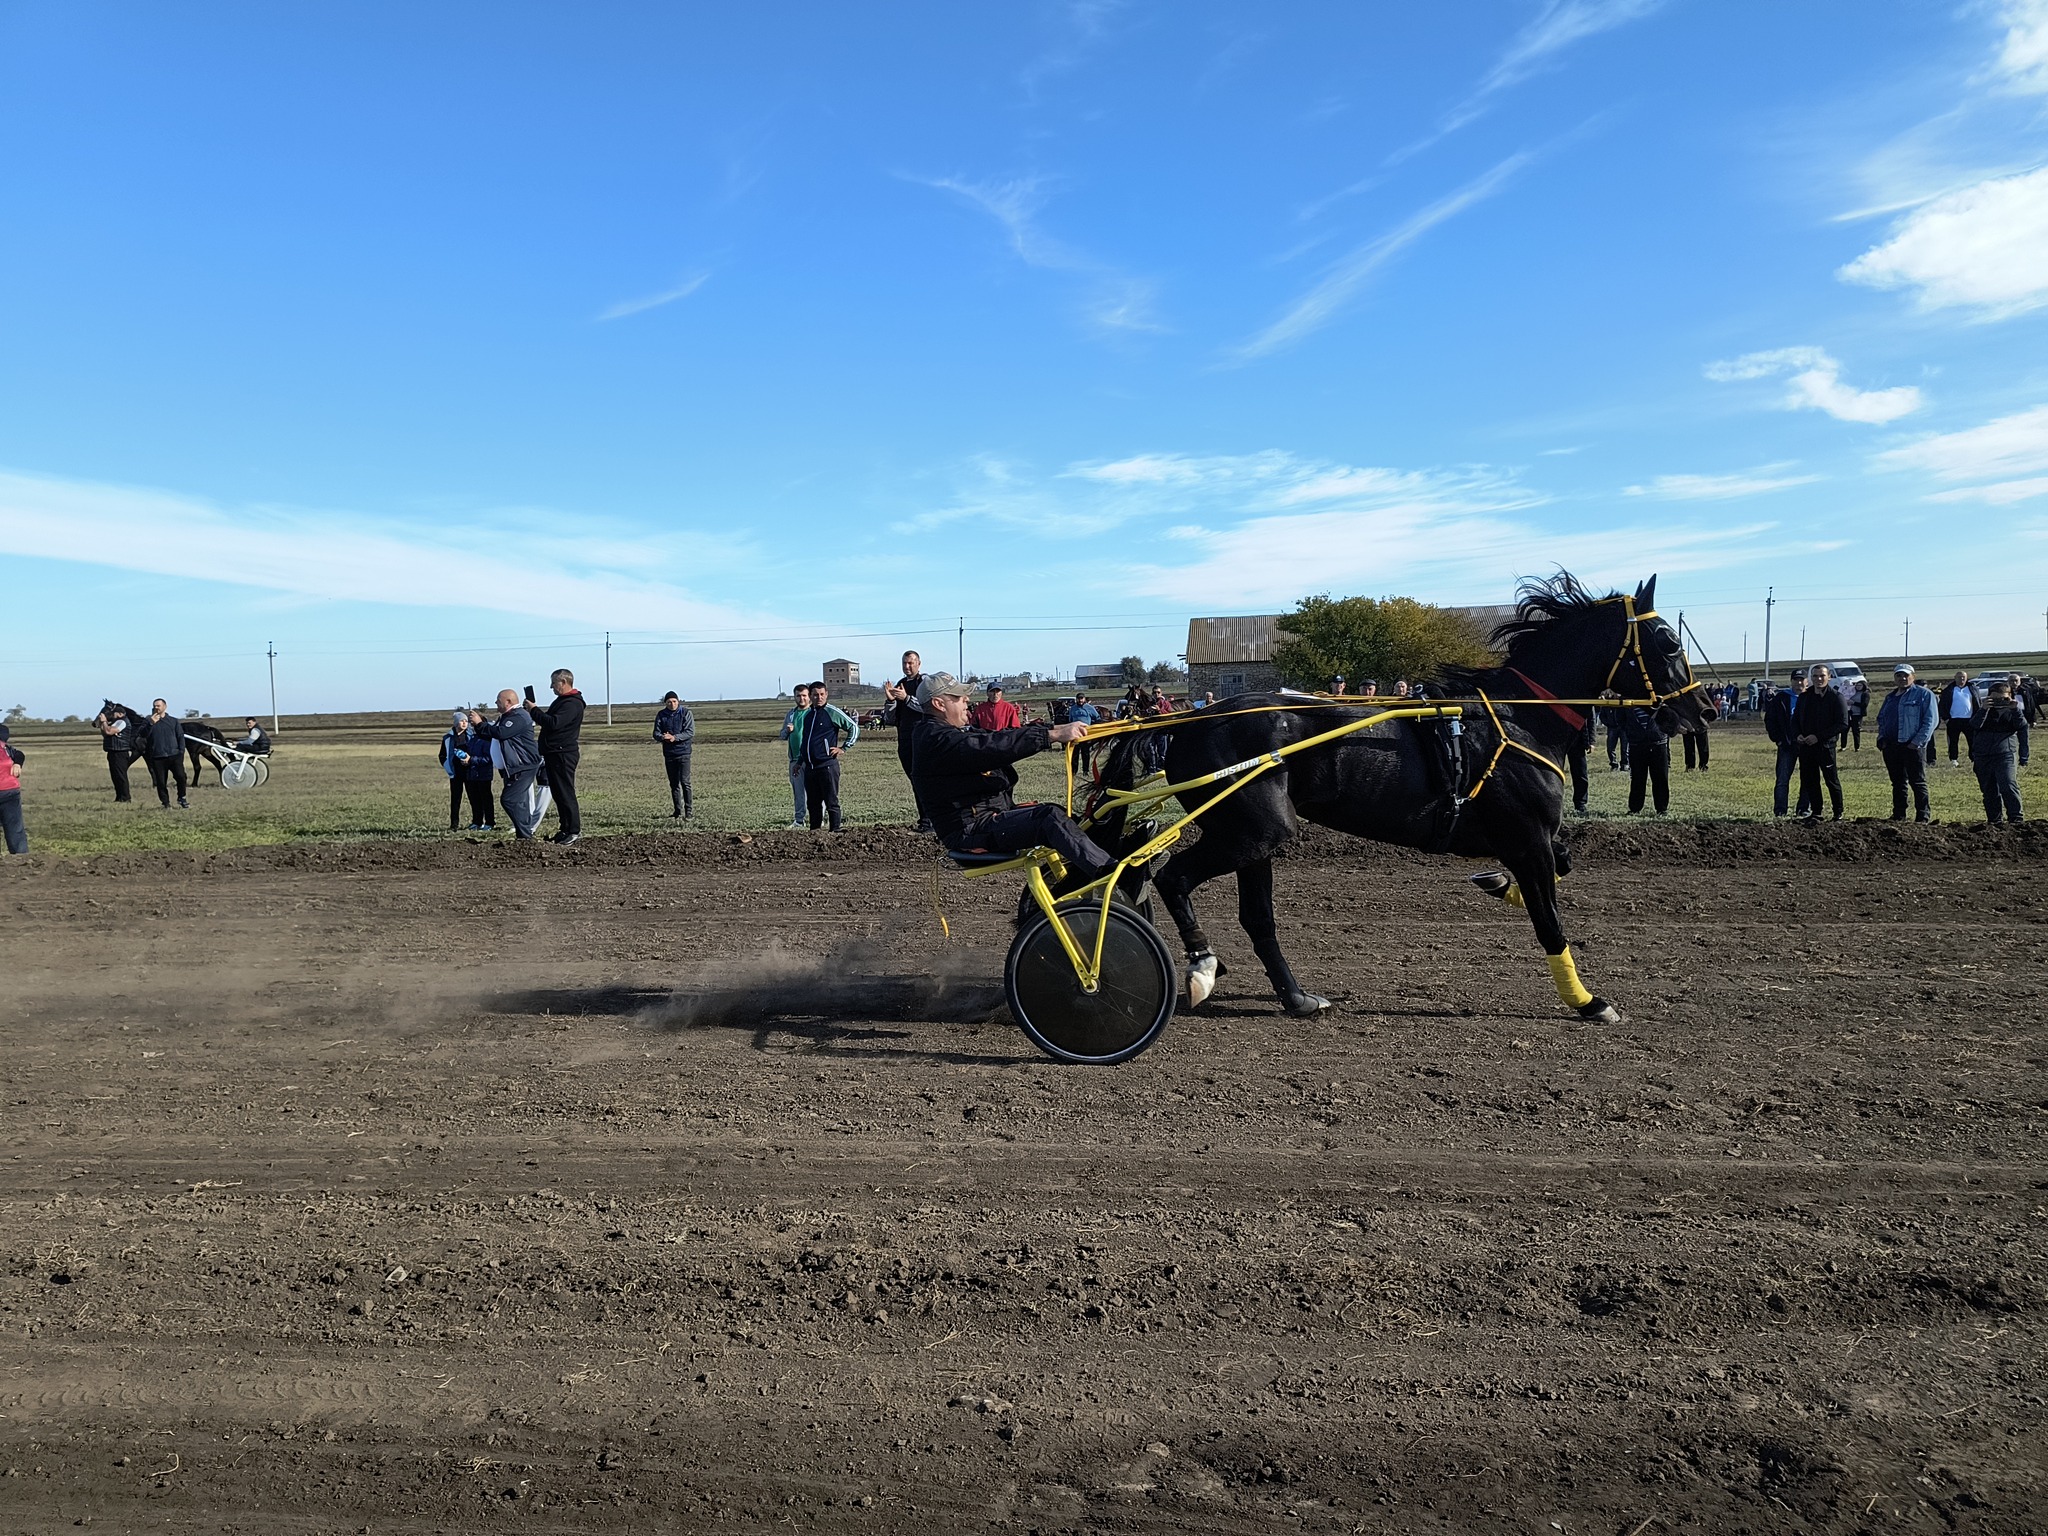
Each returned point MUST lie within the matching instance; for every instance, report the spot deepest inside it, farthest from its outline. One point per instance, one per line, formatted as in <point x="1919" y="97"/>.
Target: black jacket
<point x="1778" y="712"/>
<point x="125" y="741"/>
<point x="1821" y="714"/>
<point x="163" y="739"/>
<point x="561" y="726"/>
<point x="1641" y="729"/>
<point x="679" y="723"/>
<point x="1997" y="729"/>
<point x="962" y="775"/>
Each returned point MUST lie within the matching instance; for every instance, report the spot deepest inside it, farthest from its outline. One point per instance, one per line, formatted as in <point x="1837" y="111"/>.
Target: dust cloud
<point x="856" y="980"/>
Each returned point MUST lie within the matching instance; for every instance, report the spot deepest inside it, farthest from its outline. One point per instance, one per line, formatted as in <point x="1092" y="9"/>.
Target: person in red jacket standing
<point x="10" y="796"/>
<point x="996" y="713"/>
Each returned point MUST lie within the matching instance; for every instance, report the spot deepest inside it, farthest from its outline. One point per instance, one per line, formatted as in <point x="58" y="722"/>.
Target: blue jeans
<point x="1788" y="763"/>
<point x="17" y="834"/>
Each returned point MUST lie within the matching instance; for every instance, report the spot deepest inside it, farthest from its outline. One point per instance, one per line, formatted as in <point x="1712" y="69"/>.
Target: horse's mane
<point x="1539" y="601"/>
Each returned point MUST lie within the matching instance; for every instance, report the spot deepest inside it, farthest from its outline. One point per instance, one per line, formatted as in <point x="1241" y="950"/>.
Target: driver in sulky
<point x="964" y="782"/>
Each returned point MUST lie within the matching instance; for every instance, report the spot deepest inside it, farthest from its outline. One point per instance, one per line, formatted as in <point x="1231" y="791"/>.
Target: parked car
<point x="1846" y="675"/>
<point x="1980" y="685"/>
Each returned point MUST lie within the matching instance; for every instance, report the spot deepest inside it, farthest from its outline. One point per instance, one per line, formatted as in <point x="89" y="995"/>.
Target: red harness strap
<point x="1576" y="720"/>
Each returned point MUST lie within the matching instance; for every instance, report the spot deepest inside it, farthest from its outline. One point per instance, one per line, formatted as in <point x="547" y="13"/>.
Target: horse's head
<point x="1662" y="669"/>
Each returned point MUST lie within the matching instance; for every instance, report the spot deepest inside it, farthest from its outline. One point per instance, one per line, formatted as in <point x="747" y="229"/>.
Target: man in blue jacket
<point x="1905" y="726"/>
<point x="819" y="750"/>
<point x="676" y="729"/>
<point x="518" y="760"/>
<point x="1779" y="709"/>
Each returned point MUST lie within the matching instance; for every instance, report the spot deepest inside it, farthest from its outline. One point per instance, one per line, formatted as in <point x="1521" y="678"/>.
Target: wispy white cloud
<point x="2001" y="494"/>
<point x="2009" y="446"/>
<point x="1316" y="308"/>
<point x="682" y="290"/>
<point x="1555" y="28"/>
<point x="1756" y="482"/>
<point x="1115" y="300"/>
<point x="1816" y="385"/>
<point x="2023" y="58"/>
<point x="1984" y="247"/>
<point x="1240" y="529"/>
<point x="485" y="562"/>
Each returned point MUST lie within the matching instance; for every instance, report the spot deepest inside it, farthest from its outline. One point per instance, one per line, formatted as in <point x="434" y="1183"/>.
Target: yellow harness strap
<point x="1566" y="975"/>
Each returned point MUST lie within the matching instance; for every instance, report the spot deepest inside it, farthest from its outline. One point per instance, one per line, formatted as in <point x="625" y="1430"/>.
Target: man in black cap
<point x="965" y="782"/>
<point x="676" y="729"/>
<point x="1778" y="712"/>
<point x="996" y="713"/>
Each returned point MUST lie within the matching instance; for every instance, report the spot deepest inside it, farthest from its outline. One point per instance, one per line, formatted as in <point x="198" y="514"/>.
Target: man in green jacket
<point x="816" y="745"/>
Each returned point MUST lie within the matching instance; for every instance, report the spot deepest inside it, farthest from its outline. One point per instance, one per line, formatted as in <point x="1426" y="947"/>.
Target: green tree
<point x="1382" y="638"/>
<point x="1165" y="674"/>
<point x="1134" y="671"/>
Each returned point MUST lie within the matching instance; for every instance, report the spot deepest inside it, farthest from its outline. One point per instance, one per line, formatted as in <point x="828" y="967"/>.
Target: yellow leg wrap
<point x="1566" y="975"/>
<point x="1513" y="897"/>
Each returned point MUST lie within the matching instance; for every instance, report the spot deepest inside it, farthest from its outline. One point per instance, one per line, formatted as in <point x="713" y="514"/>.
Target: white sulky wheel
<point x="262" y="770"/>
<point x="1129" y="1009"/>
<point x="237" y="773"/>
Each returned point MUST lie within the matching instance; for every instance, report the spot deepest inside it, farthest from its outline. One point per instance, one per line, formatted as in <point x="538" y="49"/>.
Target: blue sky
<point x="431" y="342"/>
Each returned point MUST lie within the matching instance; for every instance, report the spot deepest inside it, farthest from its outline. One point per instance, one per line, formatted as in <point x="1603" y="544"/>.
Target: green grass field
<point x="376" y="776"/>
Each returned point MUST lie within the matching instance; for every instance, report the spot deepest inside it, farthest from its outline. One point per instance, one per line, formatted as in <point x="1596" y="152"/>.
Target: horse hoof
<point x="1304" y="1005"/>
<point x="1495" y="882"/>
<point x="1600" y="1011"/>
<point x="1202" y="971"/>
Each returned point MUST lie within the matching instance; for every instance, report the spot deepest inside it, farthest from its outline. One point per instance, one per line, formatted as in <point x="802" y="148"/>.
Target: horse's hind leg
<point x="1176" y="887"/>
<point x="1535" y="872"/>
<point x="1255" y="913"/>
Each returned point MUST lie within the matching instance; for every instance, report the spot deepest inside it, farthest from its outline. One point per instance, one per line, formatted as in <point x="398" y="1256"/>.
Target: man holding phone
<point x="517" y="758"/>
<point x="561" y="748"/>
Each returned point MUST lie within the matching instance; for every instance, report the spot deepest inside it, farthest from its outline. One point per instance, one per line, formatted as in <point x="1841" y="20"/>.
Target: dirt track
<point x="389" y="1188"/>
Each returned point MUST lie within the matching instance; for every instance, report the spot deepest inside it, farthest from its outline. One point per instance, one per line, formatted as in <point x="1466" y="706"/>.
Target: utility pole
<point x="1802" y="642"/>
<point x="607" y="677"/>
<point x="1770" y="601"/>
<point x="961" y="661"/>
<point x="271" y="649"/>
<point x="1745" y="648"/>
<point x="1909" y="641"/>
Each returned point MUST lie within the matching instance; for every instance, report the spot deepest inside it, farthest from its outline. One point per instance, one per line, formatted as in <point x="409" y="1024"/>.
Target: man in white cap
<point x="964" y="782"/>
<point x="1905" y="727"/>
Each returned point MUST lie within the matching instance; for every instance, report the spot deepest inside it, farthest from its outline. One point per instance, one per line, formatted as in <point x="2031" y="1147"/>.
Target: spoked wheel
<point x="1128" y="1010"/>
<point x="237" y="773"/>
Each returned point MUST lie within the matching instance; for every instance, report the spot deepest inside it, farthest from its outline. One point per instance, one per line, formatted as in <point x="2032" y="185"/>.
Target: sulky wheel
<point x="1126" y="1013"/>
<point x="262" y="770"/>
<point x="237" y="774"/>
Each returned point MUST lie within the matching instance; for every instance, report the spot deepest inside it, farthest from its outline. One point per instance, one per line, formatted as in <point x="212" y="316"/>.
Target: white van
<point x="1847" y="674"/>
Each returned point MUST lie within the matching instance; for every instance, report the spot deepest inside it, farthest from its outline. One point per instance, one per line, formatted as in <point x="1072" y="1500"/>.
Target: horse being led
<point x="1496" y="793"/>
<point x="200" y="738"/>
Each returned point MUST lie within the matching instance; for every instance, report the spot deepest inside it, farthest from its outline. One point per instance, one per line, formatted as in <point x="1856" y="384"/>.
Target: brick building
<point x="840" y="673"/>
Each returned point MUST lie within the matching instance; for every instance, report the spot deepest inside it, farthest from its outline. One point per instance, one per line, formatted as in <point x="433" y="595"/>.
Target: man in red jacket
<point x="996" y="713"/>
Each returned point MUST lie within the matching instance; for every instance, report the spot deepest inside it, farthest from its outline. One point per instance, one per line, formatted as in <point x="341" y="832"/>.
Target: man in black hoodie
<point x="1817" y="725"/>
<point x="561" y="748"/>
<point x="163" y="745"/>
<point x="1779" y="709"/>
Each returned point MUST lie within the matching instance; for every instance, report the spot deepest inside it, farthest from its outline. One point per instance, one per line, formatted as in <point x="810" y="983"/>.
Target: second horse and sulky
<point x="1485" y="781"/>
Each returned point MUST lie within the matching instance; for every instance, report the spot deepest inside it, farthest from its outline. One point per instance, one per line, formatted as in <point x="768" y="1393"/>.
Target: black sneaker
<point x="184" y="804"/>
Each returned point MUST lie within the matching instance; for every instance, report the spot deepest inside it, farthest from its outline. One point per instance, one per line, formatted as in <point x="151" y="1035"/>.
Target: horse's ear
<point x="1646" y="594"/>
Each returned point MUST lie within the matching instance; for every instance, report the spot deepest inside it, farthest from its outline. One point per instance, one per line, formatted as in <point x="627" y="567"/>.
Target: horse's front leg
<point x="1535" y="872"/>
<point x="1255" y="914"/>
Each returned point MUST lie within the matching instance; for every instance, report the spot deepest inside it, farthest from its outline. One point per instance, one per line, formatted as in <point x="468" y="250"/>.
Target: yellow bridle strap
<point x="1506" y="741"/>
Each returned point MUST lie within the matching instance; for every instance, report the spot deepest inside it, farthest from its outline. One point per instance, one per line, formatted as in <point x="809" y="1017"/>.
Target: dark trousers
<point x="1617" y="754"/>
<point x="1039" y="826"/>
<point x="1575" y="759"/>
<point x="905" y="737"/>
<point x="1958" y="730"/>
<point x="1649" y="763"/>
<point x="562" y="780"/>
<point x="1853" y="734"/>
<point x="1817" y="767"/>
<point x="1696" y="747"/>
<point x="161" y="771"/>
<point x="1907" y="766"/>
<point x="17" y="834"/>
<point x="1998" y="777"/>
<point x="821" y="789"/>
<point x="517" y="799"/>
<point x="117" y="770"/>
<point x="455" y="788"/>
<point x="481" y="812"/>
<point x="1788" y="760"/>
<point x="678" y="766"/>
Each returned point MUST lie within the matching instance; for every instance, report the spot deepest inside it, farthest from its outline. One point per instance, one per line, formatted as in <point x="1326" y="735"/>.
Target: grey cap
<point x="1903" y="669"/>
<point x="937" y="683"/>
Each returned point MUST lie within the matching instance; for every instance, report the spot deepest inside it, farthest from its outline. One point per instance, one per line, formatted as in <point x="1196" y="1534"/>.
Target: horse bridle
<point x="1632" y="648"/>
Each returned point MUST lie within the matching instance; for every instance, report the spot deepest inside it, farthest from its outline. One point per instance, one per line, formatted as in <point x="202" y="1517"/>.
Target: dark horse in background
<point x="199" y="737"/>
<point x="1400" y="782"/>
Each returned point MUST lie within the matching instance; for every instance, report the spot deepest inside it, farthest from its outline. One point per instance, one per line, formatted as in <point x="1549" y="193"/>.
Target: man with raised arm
<point x="965" y="782"/>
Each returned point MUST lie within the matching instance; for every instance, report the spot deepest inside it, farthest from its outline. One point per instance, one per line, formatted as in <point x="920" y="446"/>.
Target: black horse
<point x="1495" y="792"/>
<point x="199" y="737"/>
